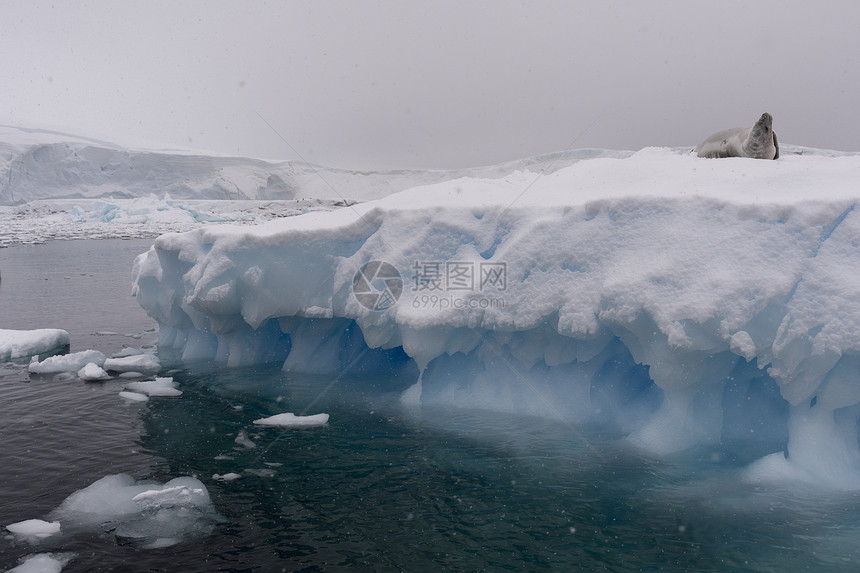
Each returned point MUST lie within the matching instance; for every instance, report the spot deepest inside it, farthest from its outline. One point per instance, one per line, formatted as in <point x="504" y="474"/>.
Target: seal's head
<point x="761" y="143"/>
<point x="765" y="123"/>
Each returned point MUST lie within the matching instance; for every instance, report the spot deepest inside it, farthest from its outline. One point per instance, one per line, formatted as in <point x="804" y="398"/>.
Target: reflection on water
<point x="386" y="488"/>
<point x="83" y="287"/>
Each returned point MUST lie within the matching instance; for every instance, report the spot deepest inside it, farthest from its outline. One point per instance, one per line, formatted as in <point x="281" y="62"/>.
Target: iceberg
<point x="17" y="344"/>
<point x="684" y="301"/>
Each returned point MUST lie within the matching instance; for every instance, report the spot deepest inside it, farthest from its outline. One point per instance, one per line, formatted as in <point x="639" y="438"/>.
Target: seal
<point x="757" y="142"/>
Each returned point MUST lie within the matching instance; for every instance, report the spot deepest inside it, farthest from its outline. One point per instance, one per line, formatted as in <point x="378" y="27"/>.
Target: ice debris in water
<point x="146" y="513"/>
<point x="243" y="440"/>
<point x="290" y="420"/>
<point x="34" y="528"/>
<point x="158" y="387"/>
<point x="15" y="344"/>
<point x="144" y="363"/>
<point x="43" y="563"/>
<point x="127" y="351"/>
<point x="226" y="477"/>
<point x="92" y="372"/>
<point x="133" y="396"/>
<point x="67" y="362"/>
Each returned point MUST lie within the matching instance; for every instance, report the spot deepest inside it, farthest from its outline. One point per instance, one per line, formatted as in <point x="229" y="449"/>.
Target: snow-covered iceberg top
<point x="662" y="291"/>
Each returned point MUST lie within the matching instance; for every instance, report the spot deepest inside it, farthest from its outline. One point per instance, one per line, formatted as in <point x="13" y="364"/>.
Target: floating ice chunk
<point x="161" y="542"/>
<point x="15" y="344"/>
<point x="131" y="375"/>
<point x="290" y="420"/>
<point x="133" y="396"/>
<point x="67" y="362"/>
<point x="261" y="472"/>
<point x="157" y="387"/>
<point x="43" y="563"/>
<point x="226" y="477"/>
<point x="147" y="513"/>
<point x="742" y="343"/>
<point x="34" y="528"/>
<point x="92" y="372"/>
<point x="243" y="440"/>
<point x="144" y="363"/>
<point x="127" y="351"/>
<point x="167" y="496"/>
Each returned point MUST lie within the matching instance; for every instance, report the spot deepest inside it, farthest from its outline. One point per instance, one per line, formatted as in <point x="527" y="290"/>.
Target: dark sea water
<point x="381" y="487"/>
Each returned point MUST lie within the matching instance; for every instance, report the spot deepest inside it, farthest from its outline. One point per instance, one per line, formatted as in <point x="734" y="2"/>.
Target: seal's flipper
<point x="776" y="146"/>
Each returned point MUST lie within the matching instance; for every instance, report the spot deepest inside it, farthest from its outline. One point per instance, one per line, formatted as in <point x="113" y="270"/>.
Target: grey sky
<point x="430" y="83"/>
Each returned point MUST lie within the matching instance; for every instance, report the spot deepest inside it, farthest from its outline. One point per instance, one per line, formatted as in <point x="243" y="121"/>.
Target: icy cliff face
<point x="685" y="300"/>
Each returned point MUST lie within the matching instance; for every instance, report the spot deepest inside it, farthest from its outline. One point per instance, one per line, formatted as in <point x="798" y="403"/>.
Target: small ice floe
<point x="67" y="362"/>
<point x="243" y="440"/>
<point x="134" y="396"/>
<point x="226" y="477"/>
<point x="43" y="563"/>
<point x="148" y="514"/>
<point x="16" y="344"/>
<point x="290" y="420"/>
<point x="34" y="528"/>
<point x="131" y="375"/>
<point x="261" y="472"/>
<point x="92" y="372"/>
<point x="159" y="387"/>
<point x="144" y="363"/>
<point x="127" y="351"/>
<point x="166" y="496"/>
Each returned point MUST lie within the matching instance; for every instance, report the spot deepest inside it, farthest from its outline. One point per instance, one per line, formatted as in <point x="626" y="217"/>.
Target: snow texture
<point x="687" y="301"/>
<point x="17" y="344"/>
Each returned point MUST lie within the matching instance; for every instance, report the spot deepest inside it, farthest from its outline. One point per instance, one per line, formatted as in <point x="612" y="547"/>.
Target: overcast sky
<point x="430" y="83"/>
